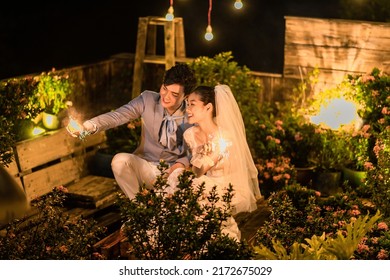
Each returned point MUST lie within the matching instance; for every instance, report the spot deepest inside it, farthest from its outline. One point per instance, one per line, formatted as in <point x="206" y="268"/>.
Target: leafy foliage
<point x="15" y="106"/>
<point x="52" y="91"/>
<point x="51" y="234"/>
<point x="341" y="247"/>
<point x="222" y="69"/>
<point x="159" y="225"/>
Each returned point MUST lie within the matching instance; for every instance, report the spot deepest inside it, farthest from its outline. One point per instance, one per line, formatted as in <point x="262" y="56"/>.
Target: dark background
<point x="38" y="36"/>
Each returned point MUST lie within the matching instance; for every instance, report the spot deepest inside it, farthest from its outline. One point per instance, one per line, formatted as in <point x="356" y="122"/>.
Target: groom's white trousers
<point x="131" y="172"/>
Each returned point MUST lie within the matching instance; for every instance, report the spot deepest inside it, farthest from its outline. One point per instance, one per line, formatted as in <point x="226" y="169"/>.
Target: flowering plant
<point x="52" y="234"/>
<point x="358" y="146"/>
<point x="299" y="213"/>
<point x="269" y="137"/>
<point x="302" y="141"/>
<point x="371" y="92"/>
<point x="331" y="154"/>
<point x="165" y="225"/>
<point x="274" y="174"/>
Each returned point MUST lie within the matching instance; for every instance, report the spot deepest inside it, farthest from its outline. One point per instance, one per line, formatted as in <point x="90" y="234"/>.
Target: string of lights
<point x="209" y="30"/>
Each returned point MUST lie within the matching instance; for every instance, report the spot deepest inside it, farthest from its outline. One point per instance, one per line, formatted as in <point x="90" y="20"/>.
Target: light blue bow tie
<point x="168" y="131"/>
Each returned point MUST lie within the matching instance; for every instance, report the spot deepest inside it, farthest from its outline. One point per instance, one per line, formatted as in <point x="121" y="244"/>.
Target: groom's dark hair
<point x="181" y="74"/>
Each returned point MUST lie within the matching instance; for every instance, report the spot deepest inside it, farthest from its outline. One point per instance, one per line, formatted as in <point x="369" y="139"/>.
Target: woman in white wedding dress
<point x="219" y="151"/>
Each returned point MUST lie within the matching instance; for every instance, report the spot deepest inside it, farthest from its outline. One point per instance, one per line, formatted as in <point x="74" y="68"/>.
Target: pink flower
<point x="63" y="249"/>
<point x="385" y="111"/>
<point x="375" y="93"/>
<point x="382" y="255"/>
<point x="382" y="226"/>
<point x="367" y="78"/>
<point x="362" y="247"/>
<point x="298" y="137"/>
<point x="354" y="212"/>
<point x="368" y="165"/>
<point x="277" y="177"/>
<point x="365" y="127"/>
<point x="374" y="240"/>
<point x="279" y="122"/>
<point x="62" y="189"/>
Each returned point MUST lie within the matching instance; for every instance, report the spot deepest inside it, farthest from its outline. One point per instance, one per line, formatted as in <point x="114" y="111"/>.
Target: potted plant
<point x="301" y="143"/>
<point x="52" y="93"/>
<point x="358" y="158"/>
<point x="329" y="159"/>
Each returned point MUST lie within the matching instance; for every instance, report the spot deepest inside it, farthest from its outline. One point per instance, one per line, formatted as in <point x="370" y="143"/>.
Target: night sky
<point x="38" y="36"/>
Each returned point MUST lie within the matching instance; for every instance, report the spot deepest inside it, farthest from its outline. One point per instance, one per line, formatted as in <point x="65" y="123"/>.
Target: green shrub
<point x="340" y="247"/>
<point x="159" y="225"/>
<point x="222" y="69"/>
<point x="15" y="107"/>
<point x="51" y="234"/>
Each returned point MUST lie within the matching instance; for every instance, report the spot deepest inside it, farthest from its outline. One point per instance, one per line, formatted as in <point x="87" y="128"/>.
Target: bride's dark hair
<point x="206" y="95"/>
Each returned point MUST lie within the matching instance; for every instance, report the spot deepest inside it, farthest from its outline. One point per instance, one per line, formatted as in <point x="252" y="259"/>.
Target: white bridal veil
<point x="239" y="165"/>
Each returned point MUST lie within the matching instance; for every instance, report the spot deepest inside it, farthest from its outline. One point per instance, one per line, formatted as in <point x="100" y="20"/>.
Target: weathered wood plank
<point x="12" y="168"/>
<point x="93" y="191"/>
<point x="335" y="47"/>
<point x="339" y="58"/>
<point x="337" y="33"/>
<point x="329" y="75"/>
<point x="41" y="150"/>
<point x="43" y="181"/>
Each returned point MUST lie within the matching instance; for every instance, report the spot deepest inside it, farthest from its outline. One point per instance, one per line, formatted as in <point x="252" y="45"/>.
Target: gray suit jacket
<point x="148" y="107"/>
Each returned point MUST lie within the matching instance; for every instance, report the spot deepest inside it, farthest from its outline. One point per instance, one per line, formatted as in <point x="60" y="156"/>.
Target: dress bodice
<point x="201" y="152"/>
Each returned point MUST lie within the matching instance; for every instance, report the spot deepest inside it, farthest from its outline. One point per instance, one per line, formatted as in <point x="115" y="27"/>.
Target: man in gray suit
<point x="164" y="121"/>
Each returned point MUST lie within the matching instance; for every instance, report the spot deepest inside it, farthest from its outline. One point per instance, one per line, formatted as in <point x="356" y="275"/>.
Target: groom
<point x="163" y="124"/>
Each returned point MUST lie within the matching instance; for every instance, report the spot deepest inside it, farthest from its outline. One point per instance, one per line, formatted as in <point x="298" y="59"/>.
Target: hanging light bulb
<point x="209" y="31"/>
<point x="238" y="4"/>
<point x="169" y="16"/>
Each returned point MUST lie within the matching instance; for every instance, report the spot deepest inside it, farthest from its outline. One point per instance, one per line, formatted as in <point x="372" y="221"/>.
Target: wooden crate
<point x="54" y="160"/>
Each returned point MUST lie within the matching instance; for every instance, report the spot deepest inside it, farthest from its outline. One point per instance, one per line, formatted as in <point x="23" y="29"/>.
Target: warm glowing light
<point x="339" y="112"/>
<point x="209" y="33"/>
<point x="50" y="121"/>
<point x="37" y="131"/>
<point x="169" y="16"/>
<point x="223" y="145"/>
<point x="238" y="4"/>
<point x="74" y="126"/>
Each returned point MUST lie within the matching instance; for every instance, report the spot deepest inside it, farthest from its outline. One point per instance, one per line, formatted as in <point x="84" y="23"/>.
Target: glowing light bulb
<point x="74" y="126"/>
<point x="169" y="16"/>
<point x="37" y="131"/>
<point x="238" y="4"/>
<point x="209" y="33"/>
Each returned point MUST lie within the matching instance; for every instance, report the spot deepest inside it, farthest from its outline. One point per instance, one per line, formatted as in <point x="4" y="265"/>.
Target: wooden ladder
<point x="146" y="46"/>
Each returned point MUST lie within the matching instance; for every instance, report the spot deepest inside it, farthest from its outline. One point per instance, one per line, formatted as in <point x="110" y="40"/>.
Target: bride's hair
<point x="206" y="95"/>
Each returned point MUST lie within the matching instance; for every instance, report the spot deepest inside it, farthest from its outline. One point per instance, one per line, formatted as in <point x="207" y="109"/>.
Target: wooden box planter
<point x="57" y="159"/>
<point x="53" y="160"/>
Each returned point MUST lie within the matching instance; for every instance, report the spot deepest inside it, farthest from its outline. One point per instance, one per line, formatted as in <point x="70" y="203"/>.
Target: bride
<point x="219" y="151"/>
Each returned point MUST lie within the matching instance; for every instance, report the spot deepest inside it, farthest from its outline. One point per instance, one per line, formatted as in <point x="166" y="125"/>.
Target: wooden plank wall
<point x="336" y="47"/>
